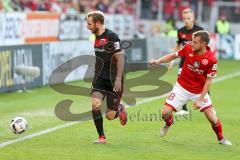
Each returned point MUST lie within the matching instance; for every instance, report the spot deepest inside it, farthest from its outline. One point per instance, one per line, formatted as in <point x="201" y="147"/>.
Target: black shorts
<point x="106" y="88"/>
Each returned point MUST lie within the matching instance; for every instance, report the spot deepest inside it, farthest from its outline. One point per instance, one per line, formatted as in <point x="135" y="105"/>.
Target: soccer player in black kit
<point x="184" y="37"/>
<point x="108" y="79"/>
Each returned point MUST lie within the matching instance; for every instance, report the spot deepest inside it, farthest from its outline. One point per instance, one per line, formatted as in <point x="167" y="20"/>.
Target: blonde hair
<point x="96" y="16"/>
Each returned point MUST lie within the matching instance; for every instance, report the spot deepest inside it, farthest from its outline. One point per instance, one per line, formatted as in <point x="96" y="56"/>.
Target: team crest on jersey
<point x="196" y="64"/>
<point x="205" y="62"/>
<point x="190" y="55"/>
<point x="102" y="41"/>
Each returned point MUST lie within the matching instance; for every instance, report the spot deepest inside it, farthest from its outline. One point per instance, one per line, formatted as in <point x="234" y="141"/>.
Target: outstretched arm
<point x="164" y="59"/>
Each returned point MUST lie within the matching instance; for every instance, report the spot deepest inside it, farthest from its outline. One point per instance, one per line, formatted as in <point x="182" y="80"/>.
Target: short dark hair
<point x="203" y="34"/>
<point x="96" y="16"/>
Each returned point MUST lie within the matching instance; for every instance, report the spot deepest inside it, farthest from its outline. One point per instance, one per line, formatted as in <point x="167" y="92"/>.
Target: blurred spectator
<point x="222" y="26"/>
<point x="154" y="8"/>
<point x="171" y="30"/>
<point x="183" y="5"/>
<point x="103" y="5"/>
<point x="43" y="5"/>
<point x="155" y="30"/>
<point x="70" y="6"/>
<point x="32" y="5"/>
<point x="207" y="6"/>
<point x="6" y="5"/>
<point x="1" y="6"/>
<point x="168" y="9"/>
<point x="56" y="6"/>
<point x="149" y="9"/>
<point x="140" y="33"/>
<point x="237" y="12"/>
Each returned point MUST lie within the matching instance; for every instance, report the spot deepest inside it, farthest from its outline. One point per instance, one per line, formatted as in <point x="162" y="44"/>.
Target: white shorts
<point x="180" y="96"/>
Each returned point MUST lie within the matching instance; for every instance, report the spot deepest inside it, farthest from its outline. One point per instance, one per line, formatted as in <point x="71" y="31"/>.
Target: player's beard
<point x="95" y="30"/>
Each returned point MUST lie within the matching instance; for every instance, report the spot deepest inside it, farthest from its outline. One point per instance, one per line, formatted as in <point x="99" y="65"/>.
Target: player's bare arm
<point x="164" y="59"/>
<point x="206" y="88"/>
<point x="120" y="66"/>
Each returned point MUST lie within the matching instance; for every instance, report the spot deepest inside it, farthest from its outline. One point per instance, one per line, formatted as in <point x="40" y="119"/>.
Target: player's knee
<point x="214" y="121"/>
<point x="165" y="114"/>
<point x="96" y="105"/>
<point x="110" y="116"/>
<point x="211" y="116"/>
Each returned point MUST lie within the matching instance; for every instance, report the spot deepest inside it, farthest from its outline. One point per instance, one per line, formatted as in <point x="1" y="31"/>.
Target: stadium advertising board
<point x="41" y="27"/>
<point x="2" y="15"/>
<point x="70" y="27"/>
<point x="12" y="57"/>
<point x="85" y="33"/>
<point x="237" y="47"/>
<point x="12" y="28"/>
<point x="213" y="44"/>
<point x="57" y="53"/>
<point x="226" y="46"/>
<point x="128" y="27"/>
<point x="138" y="51"/>
<point x="160" y="46"/>
<point x="123" y="25"/>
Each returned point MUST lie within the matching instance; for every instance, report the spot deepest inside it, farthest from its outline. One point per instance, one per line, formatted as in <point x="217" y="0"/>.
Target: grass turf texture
<point x="189" y="138"/>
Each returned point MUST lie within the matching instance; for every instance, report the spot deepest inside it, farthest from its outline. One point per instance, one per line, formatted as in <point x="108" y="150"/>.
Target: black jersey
<point x="185" y="36"/>
<point x="106" y="45"/>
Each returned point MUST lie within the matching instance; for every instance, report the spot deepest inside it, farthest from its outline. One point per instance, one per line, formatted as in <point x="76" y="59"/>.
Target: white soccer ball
<point x="18" y="125"/>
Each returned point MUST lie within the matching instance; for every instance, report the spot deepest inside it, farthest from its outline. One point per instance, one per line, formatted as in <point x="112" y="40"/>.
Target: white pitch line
<point x="4" y="144"/>
<point x="37" y="134"/>
<point x="222" y="78"/>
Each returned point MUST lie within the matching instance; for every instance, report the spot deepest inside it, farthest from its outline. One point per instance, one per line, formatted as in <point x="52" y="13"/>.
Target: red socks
<point x="218" y="130"/>
<point x="169" y="120"/>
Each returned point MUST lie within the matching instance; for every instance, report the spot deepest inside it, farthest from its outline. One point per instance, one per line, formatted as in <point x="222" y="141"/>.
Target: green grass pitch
<point x="190" y="138"/>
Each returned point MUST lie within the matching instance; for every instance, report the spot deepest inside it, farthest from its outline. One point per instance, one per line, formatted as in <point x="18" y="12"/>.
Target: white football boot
<point x="224" y="141"/>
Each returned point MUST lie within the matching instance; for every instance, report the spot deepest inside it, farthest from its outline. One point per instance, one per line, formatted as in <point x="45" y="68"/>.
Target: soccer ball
<point x="18" y="125"/>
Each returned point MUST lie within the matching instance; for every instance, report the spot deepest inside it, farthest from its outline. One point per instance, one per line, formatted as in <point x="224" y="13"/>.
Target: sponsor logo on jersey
<point x="101" y="42"/>
<point x="192" y="68"/>
<point x="99" y="50"/>
<point x="205" y="62"/>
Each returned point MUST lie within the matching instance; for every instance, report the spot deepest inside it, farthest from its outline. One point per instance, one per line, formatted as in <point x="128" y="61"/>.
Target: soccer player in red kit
<point x="184" y="37"/>
<point x="198" y="72"/>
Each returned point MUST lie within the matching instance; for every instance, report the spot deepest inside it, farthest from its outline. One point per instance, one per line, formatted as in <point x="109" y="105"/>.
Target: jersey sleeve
<point x="179" y="39"/>
<point x="115" y="42"/>
<point x="212" y="69"/>
<point x="182" y="52"/>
